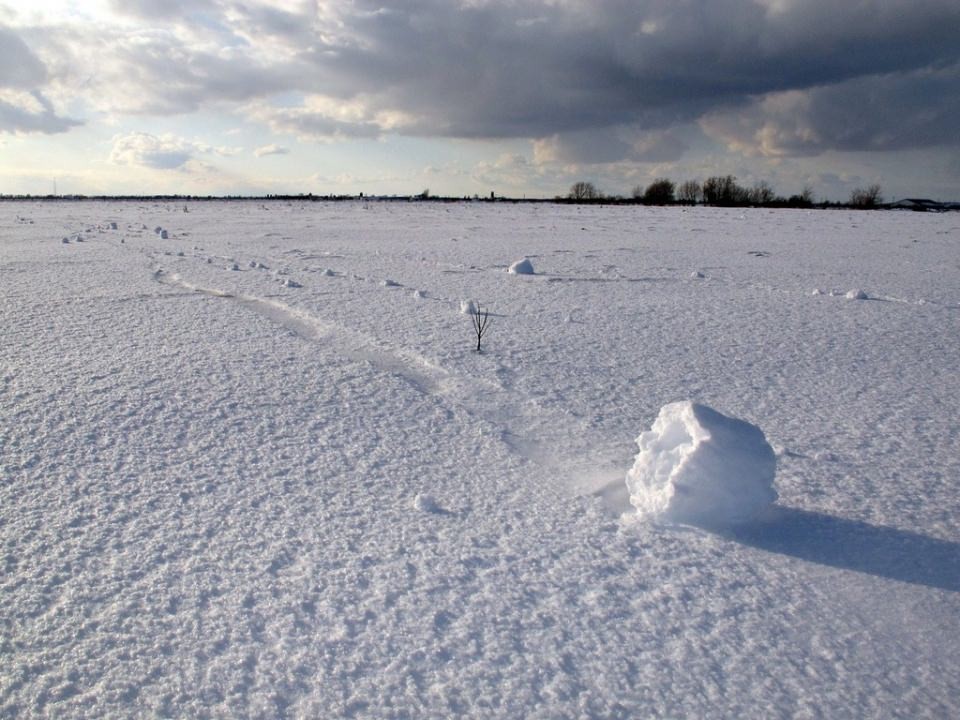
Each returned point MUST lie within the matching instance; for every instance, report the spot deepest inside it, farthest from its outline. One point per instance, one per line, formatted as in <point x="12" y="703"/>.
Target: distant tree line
<point x="719" y="190"/>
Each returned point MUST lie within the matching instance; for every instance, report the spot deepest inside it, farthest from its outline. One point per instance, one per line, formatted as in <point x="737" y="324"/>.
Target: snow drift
<point x="700" y="467"/>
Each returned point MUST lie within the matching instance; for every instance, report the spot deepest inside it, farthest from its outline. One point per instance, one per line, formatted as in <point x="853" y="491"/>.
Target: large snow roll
<point x="700" y="467"/>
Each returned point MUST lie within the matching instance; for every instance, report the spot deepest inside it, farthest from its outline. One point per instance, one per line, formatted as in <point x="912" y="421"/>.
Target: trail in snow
<point x="489" y="401"/>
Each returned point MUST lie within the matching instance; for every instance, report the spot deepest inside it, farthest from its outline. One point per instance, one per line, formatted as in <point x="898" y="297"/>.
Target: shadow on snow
<point x="852" y="545"/>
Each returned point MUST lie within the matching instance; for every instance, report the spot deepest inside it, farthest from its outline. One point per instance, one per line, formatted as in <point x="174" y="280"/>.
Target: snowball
<point x="700" y="467"/>
<point x="419" y="294"/>
<point x="468" y="307"/>
<point x="521" y="267"/>
<point x="425" y="503"/>
<point x="856" y="295"/>
<point x="816" y="291"/>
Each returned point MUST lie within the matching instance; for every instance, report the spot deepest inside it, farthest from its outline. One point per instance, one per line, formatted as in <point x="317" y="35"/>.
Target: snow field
<point x="227" y="497"/>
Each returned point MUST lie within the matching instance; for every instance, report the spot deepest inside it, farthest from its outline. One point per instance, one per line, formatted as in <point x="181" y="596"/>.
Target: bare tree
<point x="761" y="193"/>
<point x="481" y="321"/>
<point x="723" y="190"/>
<point x="803" y="199"/>
<point x="689" y="192"/>
<point x="583" y="191"/>
<point x="659" y="192"/>
<point x="866" y="198"/>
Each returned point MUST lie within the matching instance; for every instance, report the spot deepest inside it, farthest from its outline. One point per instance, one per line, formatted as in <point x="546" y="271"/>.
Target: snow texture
<point x="209" y="482"/>
<point x="700" y="467"/>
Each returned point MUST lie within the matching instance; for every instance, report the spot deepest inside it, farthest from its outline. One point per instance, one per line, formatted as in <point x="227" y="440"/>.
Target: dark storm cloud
<point x="878" y="113"/>
<point x="526" y="69"/>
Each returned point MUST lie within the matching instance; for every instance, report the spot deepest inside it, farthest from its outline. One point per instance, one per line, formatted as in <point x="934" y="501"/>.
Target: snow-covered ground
<point x="255" y="468"/>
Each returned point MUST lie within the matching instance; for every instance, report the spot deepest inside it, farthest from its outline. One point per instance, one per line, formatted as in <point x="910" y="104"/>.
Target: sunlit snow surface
<point x="256" y="468"/>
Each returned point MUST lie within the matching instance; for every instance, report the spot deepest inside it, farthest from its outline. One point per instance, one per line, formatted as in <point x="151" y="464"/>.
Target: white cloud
<point x="323" y="118"/>
<point x="31" y="112"/>
<point x="166" y="152"/>
<point x="608" y="145"/>
<point x="271" y="149"/>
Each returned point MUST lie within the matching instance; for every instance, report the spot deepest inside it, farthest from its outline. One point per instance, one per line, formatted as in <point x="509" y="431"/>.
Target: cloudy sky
<point x="521" y="97"/>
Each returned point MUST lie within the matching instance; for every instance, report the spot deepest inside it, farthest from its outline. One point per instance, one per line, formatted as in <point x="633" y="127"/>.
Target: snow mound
<point x="856" y="295"/>
<point x="425" y="503"/>
<point x="468" y="307"/>
<point x="697" y="275"/>
<point x="700" y="467"/>
<point x="521" y="267"/>
<point x="389" y="283"/>
<point x="291" y="283"/>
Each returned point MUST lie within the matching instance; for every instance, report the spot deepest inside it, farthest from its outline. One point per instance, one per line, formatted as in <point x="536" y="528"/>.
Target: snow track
<point x="487" y="401"/>
<point x="417" y="370"/>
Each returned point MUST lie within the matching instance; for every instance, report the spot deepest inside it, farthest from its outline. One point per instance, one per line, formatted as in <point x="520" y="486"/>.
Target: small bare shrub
<point x="481" y="321"/>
